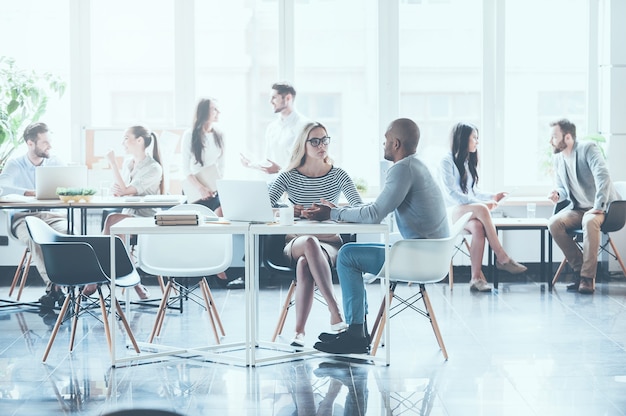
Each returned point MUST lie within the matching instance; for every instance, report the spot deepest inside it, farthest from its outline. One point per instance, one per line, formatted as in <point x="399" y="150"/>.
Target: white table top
<point x="146" y="225"/>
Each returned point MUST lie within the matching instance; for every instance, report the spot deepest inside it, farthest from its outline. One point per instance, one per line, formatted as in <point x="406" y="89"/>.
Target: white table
<point x="284" y="352"/>
<point x="251" y="234"/>
<point x="139" y="225"/>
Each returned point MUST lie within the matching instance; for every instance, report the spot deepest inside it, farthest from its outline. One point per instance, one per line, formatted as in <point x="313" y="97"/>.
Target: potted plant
<point x="23" y="100"/>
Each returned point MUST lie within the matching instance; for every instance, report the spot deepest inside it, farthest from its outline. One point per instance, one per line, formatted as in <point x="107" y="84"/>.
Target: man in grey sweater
<point x="411" y="192"/>
<point x="582" y="178"/>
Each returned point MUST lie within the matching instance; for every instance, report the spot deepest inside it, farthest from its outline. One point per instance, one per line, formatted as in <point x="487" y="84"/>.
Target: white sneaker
<point x="339" y="326"/>
<point x="298" y="340"/>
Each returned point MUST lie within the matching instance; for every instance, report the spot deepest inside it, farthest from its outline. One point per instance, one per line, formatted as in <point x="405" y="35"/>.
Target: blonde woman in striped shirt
<point x="311" y="178"/>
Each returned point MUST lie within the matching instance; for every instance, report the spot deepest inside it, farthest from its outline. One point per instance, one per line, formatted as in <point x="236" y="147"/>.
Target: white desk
<point x="284" y="352"/>
<point x="251" y="233"/>
<point x="147" y="226"/>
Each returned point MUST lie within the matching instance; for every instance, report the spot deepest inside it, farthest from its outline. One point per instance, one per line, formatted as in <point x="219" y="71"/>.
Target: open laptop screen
<point x="245" y="200"/>
<point x="49" y="178"/>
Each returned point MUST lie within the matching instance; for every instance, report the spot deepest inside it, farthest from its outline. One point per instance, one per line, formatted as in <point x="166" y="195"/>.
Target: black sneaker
<point x="327" y="336"/>
<point x="48" y="300"/>
<point x="344" y="343"/>
<point x="330" y="336"/>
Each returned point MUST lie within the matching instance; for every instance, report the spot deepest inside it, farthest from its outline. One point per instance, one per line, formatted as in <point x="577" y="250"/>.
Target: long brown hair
<point x="459" y="138"/>
<point x="202" y="116"/>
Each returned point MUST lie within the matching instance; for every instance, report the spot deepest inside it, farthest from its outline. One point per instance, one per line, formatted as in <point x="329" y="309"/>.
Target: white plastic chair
<point x="418" y="261"/>
<point x="182" y="256"/>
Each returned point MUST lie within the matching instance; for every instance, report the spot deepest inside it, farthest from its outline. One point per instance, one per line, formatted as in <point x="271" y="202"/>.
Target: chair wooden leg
<point x="74" y="320"/>
<point x="161" y="284"/>
<point x="283" y="312"/>
<point x="55" y="330"/>
<point x="209" y="309"/>
<point x="215" y="311"/>
<point x="105" y="319"/>
<point x="617" y="256"/>
<point x="558" y="271"/>
<point x="379" y="323"/>
<point x="161" y="311"/>
<point x="21" y="273"/>
<point x="433" y="320"/>
<point x="120" y="312"/>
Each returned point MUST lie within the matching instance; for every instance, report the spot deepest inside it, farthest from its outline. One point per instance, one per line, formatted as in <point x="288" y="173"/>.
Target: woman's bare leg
<point x="305" y="286"/>
<point x="481" y="213"/>
<point x="309" y="247"/>
<point x="477" y="248"/>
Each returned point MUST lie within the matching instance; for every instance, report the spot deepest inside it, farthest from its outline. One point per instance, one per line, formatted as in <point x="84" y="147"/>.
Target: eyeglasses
<point x="316" y="141"/>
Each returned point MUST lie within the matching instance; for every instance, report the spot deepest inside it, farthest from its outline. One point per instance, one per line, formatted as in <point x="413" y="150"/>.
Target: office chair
<point x="78" y="260"/>
<point x="419" y="261"/>
<point x="179" y="256"/>
<point x="614" y="220"/>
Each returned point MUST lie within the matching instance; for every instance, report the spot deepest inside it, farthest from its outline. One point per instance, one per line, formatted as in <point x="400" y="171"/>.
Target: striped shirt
<point x="305" y="191"/>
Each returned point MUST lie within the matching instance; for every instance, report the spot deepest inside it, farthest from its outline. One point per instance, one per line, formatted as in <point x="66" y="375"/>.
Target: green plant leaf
<point x="13" y="105"/>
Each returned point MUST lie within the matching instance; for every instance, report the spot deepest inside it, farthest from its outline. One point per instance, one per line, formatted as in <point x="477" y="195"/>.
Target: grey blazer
<point x="593" y="176"/>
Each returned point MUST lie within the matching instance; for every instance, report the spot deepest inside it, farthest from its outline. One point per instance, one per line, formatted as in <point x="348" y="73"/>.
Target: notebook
<point x="49" y="178"/>
<point x="245" y="200"/>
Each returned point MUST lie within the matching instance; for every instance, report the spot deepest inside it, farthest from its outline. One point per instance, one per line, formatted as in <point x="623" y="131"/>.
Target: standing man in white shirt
<point x="281" y="133"/>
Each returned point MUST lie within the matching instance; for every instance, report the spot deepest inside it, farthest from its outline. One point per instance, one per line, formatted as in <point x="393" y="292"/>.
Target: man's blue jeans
<point x="353" y="260"/>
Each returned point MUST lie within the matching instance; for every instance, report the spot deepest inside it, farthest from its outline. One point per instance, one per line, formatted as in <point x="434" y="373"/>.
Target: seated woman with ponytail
<point x="141" y="174"/>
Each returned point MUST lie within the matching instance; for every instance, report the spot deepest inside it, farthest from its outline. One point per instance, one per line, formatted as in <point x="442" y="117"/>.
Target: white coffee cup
<point x="285" y="216"/>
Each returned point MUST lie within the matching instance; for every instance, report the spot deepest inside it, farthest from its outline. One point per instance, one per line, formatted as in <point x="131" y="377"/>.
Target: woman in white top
<point x="141" y="174"/>
<point x="311" y="178"/>
<point x="202" y="149"/>
<point x="459" y="173"/>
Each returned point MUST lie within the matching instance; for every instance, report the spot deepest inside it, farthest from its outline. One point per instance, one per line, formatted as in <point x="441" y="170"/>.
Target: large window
<point x="36" y="34"/>
<point x="336" y="75"/>
<point x="545" y="79"/>
<point x="440" y="69"/>
<point x="508" y="66"/>
<point x="132" y="65"/>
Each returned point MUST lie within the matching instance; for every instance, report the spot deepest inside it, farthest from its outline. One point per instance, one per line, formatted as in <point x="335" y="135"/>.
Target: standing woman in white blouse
<point x="203" y="147"/>
<point x="459" y="173"/>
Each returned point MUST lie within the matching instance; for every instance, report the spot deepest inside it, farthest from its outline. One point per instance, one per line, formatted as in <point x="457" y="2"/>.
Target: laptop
<point x="49" y="178"/>
<point x="247" y="201"/>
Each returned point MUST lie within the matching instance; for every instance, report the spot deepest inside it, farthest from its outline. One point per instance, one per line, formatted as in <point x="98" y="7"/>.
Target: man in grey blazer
<point x="582" y="178"/>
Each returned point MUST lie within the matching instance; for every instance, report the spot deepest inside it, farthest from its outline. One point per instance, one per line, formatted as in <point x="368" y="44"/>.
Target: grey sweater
<point x="413" y="194"/>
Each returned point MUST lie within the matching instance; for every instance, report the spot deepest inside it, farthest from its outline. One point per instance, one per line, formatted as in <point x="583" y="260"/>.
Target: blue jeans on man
<point x="353" y="260"/>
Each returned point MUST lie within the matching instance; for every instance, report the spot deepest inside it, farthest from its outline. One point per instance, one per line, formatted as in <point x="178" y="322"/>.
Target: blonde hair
<point x="298" y="154"/>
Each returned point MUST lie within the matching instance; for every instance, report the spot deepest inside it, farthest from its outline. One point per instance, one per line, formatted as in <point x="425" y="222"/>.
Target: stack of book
<point x="177" y="218"/>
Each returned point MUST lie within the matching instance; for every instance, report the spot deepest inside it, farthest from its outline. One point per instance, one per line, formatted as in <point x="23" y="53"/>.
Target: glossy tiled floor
<point x="518" y="351"/>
